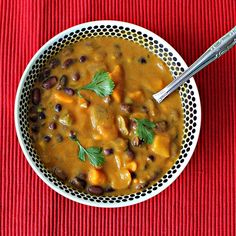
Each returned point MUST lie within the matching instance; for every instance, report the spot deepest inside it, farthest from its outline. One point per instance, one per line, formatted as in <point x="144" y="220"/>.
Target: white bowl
<point x="188" y="92"/>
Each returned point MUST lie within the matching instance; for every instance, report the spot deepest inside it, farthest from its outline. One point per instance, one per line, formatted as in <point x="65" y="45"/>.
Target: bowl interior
<point x="188" y="92"/>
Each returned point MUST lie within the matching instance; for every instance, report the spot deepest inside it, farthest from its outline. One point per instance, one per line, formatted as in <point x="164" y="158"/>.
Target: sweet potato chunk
<point x="63" y="98"/>
<point x="161" y="145"/>
<point x="117" y="75"/>
<point x="132" y="166"/>
<point x="96" y="177"/>
<point x="136" y="96"/>
<point x="154" y="85"/>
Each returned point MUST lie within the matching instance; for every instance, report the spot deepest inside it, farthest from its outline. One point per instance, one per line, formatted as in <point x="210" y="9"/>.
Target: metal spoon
<point x="215" y="51"/>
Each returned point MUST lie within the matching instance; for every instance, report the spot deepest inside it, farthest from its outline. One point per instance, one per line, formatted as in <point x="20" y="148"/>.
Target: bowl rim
<point x="27" y="155"/>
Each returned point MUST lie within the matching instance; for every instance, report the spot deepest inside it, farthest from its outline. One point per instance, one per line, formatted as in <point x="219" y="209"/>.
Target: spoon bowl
<point x="220" y="47"/>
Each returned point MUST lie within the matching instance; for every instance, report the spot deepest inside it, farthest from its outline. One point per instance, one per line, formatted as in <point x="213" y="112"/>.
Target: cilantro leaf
<point x="145" y="130"/>
<point x="94" y="154"/>
<point x="81" y="153"/>
<point x="101" y="84"/>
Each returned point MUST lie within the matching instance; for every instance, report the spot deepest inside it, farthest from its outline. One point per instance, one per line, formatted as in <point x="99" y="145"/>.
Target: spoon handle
<point x="220" y="47"/>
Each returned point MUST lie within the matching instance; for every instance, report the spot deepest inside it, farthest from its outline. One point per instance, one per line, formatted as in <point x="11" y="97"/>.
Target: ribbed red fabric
<point x="202" y="201"/>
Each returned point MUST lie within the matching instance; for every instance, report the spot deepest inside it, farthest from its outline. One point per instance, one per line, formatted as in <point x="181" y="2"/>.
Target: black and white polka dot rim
<point x="188" y="92"/>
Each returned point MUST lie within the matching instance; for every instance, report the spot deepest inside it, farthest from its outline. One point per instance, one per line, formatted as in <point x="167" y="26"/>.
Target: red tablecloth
<point x="202" y="201"/>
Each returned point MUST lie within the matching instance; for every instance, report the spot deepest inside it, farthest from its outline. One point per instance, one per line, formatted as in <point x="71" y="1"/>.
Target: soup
<point x="94" y="122"/>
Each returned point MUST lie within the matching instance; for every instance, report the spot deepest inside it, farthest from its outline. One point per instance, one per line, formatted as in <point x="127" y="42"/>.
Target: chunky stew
<point x="94" y="122"/>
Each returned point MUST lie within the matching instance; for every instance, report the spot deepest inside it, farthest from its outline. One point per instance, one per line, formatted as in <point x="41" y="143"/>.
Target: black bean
<point x="72" y="135"/>
<point x="108" y="151"/>
<point x="142" y="60"/>
<point x="82" y="176"/>
<point x="36" y="96"/>
<point x="33" y="117"/>
<point x="74" y="182"/>
<point x="76" y="76"/>
<point x="35" y="129"/>
<point x="47" y="138"/>
<point x="82" y="59"/>
<point x="78" y="183"/>
<point x="63" y="81"/>
<point x="109" y="189"/>
<point x="42" y="116"/>
<point x="52" y="125"/>
<point x="150" y="158"/>
<point x="67" y="63"/>
<point x="54" y="63"/>
<point x="46" y="72"/>
<point x="82" y="182"/>
<point x="59" y="138"/>
<point x="58" y="107"/>
<point x="60" y="174"/>
<point x="156" y="175"/>
<point x="141" y="186"/>
<point x="95" y="189"/>
<point x="50" y="82"/>
<point x="126" y="107"/>
<point x="69" y="91"/>
<point x="133" y="175"/>
<point x="161" y="126"/>
<point x="144" y="109"/>
<point x="130" y="153"/>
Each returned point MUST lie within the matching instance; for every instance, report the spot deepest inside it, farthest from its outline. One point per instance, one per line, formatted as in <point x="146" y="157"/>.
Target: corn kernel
<point x="131" y="166"/>
<point x="96" y="177"/>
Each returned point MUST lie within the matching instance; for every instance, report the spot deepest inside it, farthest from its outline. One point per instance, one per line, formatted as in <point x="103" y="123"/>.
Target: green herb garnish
<point x="101" y="84"/>
<point x="94" y="154"/>
<point x="145" y="130"/>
